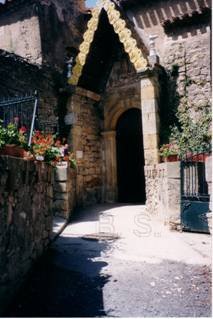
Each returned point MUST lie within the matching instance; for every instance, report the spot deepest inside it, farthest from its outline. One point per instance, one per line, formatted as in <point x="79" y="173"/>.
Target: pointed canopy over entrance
<point x="106" y="30"/>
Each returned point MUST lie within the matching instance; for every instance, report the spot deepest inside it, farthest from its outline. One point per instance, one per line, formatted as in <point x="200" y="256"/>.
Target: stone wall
<point x="62" y="24"/>
<point x="85" y="141"/>
<point x="26" y="220"/>
<point x="20" y="33"/>
<point x="41" y="30"/>
<point x="183" y="30"/>
<point x="163" y="192"/>
<point x="18" y="78"/>
<point x="64" y="191"/>
<point x="34" y="37"/>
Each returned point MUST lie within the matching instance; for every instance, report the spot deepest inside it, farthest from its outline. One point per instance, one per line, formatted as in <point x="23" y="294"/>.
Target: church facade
<point x="126" y="86"/>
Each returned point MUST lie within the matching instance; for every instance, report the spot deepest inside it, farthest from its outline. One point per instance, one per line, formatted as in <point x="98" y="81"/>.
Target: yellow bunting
<point x="125" y="35"/>
<point x="85" y="46"/>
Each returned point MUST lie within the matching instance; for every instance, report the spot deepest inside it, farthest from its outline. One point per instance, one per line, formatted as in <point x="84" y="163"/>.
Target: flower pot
<point x="171" y="158"/>
<point x="39" y="158"/>
<point x="9" y="149"/>
<point x="201" y="157"/>
<point x="14" y="150"/>
<point x="22" y="153"/>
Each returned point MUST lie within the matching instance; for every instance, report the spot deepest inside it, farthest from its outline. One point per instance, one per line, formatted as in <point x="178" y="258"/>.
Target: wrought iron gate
<point x="21" y="111"/>
<point x="194" y="196"/>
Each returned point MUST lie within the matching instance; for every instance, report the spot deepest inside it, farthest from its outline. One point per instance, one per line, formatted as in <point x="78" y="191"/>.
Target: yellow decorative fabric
<point x="125" y="36"/>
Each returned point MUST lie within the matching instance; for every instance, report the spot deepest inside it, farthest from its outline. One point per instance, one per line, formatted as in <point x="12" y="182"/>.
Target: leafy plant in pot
<point x="13" y="141"/>
<point x="169" y="152"/>
<point x="10" y="140"/>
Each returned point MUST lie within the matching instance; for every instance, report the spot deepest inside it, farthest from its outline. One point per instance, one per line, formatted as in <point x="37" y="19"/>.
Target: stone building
<point x="125" y="71"/>
<point x="40" y="30"/>
<point x="137" y="62"/>
<point x="35" y="37"/>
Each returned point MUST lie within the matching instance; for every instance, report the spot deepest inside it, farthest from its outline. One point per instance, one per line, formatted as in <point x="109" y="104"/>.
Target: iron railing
<point x="22" y="111"/>
<point x="193" y="177"/>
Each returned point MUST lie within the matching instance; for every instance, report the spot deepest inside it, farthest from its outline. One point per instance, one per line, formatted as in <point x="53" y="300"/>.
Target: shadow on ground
<point x="65" y="282"/>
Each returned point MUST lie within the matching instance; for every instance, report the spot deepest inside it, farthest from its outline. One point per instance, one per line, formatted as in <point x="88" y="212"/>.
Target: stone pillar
<point x="64" y="191"/>
<point x="208" y="173"/>
<point x="110" y="166"/>
<point x="150" y="120"/>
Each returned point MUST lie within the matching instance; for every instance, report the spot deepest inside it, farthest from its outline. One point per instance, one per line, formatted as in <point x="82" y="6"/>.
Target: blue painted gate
<point x="194" y="196"/>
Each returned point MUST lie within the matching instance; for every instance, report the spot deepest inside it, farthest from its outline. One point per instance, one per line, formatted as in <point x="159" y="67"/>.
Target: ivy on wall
<point x="188" y="124"/>
<point x="192" y="134"/>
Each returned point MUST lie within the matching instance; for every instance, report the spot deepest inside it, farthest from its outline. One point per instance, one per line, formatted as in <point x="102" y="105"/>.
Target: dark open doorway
<point x="130" y="158"/>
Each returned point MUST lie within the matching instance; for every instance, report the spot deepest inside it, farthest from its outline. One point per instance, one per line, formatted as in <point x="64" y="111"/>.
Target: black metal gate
<point x="21" y="111"/>
<point x="194" y="195"/>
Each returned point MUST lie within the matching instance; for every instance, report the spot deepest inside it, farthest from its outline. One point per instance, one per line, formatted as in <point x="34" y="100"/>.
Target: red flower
<point x="23" y="130"/>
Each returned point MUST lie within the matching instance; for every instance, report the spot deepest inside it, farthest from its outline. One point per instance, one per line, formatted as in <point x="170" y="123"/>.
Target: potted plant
<point x="41" y="143"/>
<point x="45" y="148"/>
<point x="14" y="141"/>
<point x="169" y="152"/>
<point x="11" y="140"/>
<point x="22" y="148"/>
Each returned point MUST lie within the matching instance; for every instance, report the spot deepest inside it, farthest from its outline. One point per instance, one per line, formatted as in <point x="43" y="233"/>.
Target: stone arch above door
<point x="112" y="115"/>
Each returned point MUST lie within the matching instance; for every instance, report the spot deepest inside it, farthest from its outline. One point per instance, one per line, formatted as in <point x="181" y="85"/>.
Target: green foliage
<point x="51" y="154"/>
<point x="73" y="163"/>
<point x="12" y="135"/>
<point x="192" y="135"/>
<point x="168" y="149"/>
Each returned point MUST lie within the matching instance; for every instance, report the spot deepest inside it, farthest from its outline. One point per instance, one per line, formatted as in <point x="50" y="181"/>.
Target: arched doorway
<point x="130" y="157"/>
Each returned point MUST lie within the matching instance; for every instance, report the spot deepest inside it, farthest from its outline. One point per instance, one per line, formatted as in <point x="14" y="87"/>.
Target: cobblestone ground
<point x="147" y="272"/>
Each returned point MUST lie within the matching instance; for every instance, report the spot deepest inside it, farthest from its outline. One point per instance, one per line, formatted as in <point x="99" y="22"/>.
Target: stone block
<point x="149" y="106"/>
<point x="61" y="174"/>
<point x="151" y="157"/>
<point x="173" y="170"/>
<point x="147" y="89"/>
<point x="62" y="196"/>
<point x="60" y="205"/>
<point x="60" y="187"/>
<point x="150" y="123"/>
<point x="150" y="141"/>
<point x="50" y="191"/>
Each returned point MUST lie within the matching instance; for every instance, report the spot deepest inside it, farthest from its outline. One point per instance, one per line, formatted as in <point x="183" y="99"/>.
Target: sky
<point x="91" y="3"/>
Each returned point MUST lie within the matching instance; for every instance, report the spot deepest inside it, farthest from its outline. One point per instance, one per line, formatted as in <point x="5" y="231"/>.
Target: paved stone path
<point x="147" y="272"/>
